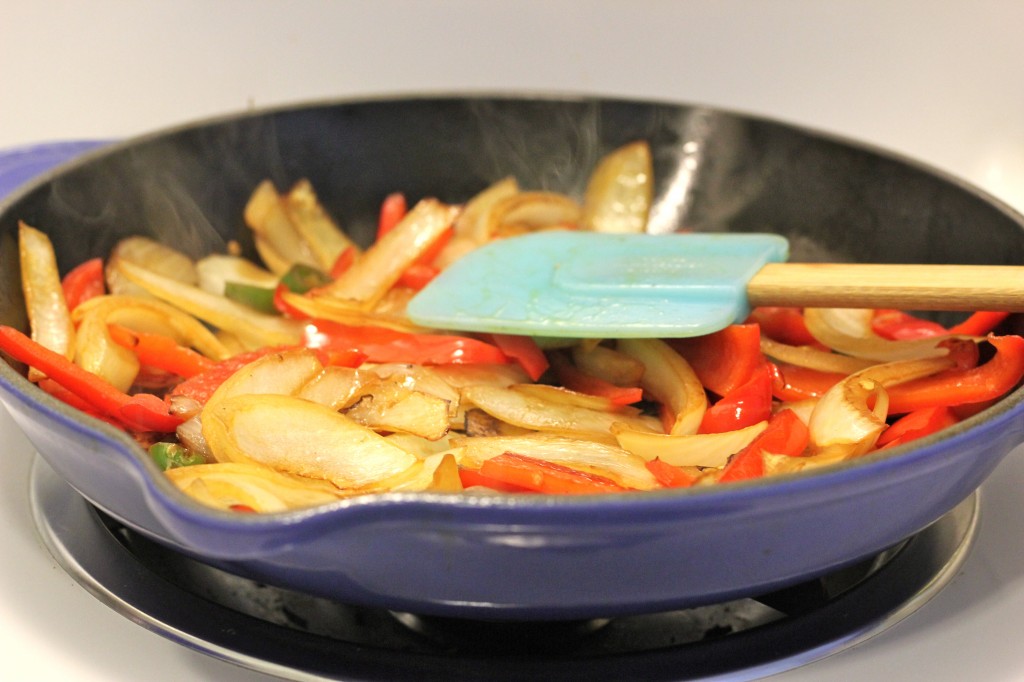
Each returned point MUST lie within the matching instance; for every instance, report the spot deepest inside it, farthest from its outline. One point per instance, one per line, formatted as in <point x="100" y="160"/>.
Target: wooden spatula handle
<point x="907" y="287"/>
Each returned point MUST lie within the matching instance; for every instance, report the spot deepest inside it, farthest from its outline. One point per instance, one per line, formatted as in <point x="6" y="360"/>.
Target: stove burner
<point x="301" y="637"/>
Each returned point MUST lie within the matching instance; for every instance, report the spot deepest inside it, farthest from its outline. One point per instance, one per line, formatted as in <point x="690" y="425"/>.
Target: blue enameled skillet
<point x="524" y="557"/>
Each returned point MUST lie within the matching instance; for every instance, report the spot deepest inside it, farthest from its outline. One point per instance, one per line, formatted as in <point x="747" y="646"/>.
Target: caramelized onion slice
<point x="620" y="190"/>
<point x="531" y="411"/>
<point x="151" y="255"/>
<point x="381" y="265"/>
<point x="155" y="316"/>
<point x="848" y="331"/>
<point x="216" y="270"/>
<point x="813" y="358"/>
<point x="701" y="450"/>
<point x="252" y="486"/>
<point x="670" y="380"/>
<point x="320" y="232"/>
<point x="615" y="463"/>
<point x="252" y="328"/>
<point x="850" y="416"/>
<point x="473" y="222"/>
<point x="303" y="438"/>
<point x="48" y="316"/>
<point x="387" y="405"/>
<point x="530" y="211"/>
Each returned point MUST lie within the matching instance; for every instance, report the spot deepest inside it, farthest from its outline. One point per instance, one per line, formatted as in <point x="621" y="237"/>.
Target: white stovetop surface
<point x="941" y="82"/>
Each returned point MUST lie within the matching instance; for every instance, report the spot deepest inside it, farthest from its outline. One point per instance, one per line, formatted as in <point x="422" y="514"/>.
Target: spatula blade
<point x="591" y="285"/>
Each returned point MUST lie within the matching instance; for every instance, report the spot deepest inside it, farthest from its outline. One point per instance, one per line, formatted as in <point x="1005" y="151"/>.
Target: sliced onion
<point x="462" y="375"/>
<point x="252" y="328"/>
<point x="190" y="434"/>
<point x="98" y="353"/>
<point x="322" y="235"/>
<point x="813" y="358"/>
<point x="349" y="312"/>
<point x="148" y="254"/>
<point x="423" y="379"/>
<point x="275" y="234"/>
<point x="608" y="364"/>
<point x="388" y="405"/>
<point x="154" y="316"/>
<point x="335" y="387"/>
<point x="48" y="315"/>
<point x="843" y="423"/>
<point x="283" y="373"/>
<point x="476" y="422"/>
<point x="559" y="394"/>
<point x="607" y="460"/>
<point x="533" y="412"/>
<point x="775" y="464"/>
<point x="381" y="265"/>
<point x="420" y="447"/>
<point x="530" y="211"/>
<point x="473" y="223"/>
<point x="801" y="408"/>
<point x="848" y="331"/>
<point x="255" y="487"/>
<point x="670" y="380"/>
<point x="702" y="450"/>
<point x="215" y="270"/>
<point x="302" y="438"/>
<point x="620" y="190"/>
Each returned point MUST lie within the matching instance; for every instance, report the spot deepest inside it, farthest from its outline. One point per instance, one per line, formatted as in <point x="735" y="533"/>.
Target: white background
<point x="939" y="81"/>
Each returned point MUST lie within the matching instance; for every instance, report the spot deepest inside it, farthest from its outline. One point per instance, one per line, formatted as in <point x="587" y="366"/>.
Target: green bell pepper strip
<point x="172" y="456"/>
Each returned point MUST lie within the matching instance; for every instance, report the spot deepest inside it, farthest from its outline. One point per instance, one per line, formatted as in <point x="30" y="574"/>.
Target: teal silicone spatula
<point x="596" y="285"/>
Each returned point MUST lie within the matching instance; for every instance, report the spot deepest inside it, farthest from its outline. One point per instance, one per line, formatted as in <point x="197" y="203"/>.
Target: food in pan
<point x="298" y="380"/>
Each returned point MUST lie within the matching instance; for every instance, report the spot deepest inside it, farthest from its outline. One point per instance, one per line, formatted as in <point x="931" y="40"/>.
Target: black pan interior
<point x="714" y="171"/>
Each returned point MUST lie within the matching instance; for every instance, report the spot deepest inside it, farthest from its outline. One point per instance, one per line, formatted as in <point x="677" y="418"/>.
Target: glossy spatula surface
<point x="597" y="285"/>
<point x="572" y="284"/>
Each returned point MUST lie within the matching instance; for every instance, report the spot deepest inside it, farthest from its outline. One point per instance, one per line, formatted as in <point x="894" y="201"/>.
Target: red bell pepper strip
<point x="546" y="477"/>
<point x="792" y="382"/>
<point x="392" y="210"/>
<point x="201" y="386"/>
<point x="142" y="412"/>
<point x="786" y="434"/>
<point x="745" y="405"/>
<point x="417" y="276"/>
<point x="571" y="377"/>
<point x="669" y="475"/>
<point x="162" y="352"/>
<point x="380" y="344"/>
<point x="916" y="425"/>
<point x="898" y="325"/>
<point x="431" y="253"/>
<point x="979" y="323"/>
<point x="963" y="352"/>
<point x="343" y="262"/>
<point x="785" y="325"/>
<point x="472" y="478"/>
<point x="83" y="282"/>
<point x="146" y="412"/>
<point x="962" y="386"/>
<point x="725" y="359"/>
<point x="524" y="351"/>
<point x="285" y="308"/>
<point x="72" y="400"/>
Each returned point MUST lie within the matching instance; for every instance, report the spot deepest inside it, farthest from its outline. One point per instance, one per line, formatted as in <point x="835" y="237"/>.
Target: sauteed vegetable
<point x="298" y="380"/>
